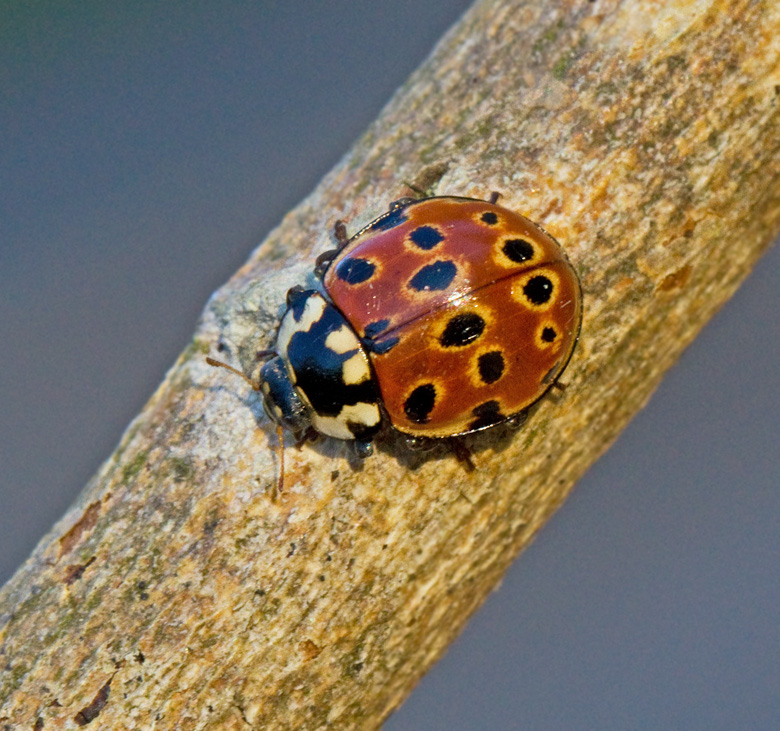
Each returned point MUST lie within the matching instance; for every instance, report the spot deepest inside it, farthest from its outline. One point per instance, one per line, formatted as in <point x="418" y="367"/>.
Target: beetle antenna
<point x="279" y="429"/>
<point x="219" y="364"/>
<point x="280" y="483"/>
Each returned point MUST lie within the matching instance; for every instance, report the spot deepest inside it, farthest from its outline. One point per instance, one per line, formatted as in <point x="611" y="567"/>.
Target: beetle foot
<point x="293" y="293"/>
<point x="462" y="453"/>
<point x="419" y="444"/>
<point x="401" y="202"/>
<point x="340" y="232"/>
<point x="361" y="449"/>
<point x="517" y="421"/>
<point x="323" y="261"/>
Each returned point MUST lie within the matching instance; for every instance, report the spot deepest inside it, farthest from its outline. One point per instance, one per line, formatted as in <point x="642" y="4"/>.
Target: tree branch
<point x="177" y="593"/>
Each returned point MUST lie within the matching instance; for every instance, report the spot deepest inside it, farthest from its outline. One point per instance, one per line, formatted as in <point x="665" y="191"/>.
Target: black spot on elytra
<point x="435" y="276"/>
<point x="549" y="334"/>
<point x="426" y="237"/>
<point x="490" y="218"/>
<point x="538" y="289"/>
<point x="462" y="330"/>
<point x="491" y="366"/>
<point x="380" y="347"/>
<point x="393" y="218"/>
<point x="375" y="328"/>
<point x="518" y="250"/>
<point x="420" y="403"/>
<point x="487" y="414"/>
<point x="355" y="270"/>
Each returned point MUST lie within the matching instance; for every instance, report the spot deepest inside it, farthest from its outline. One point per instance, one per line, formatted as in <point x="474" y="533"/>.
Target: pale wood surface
<point x="177" y="594"/>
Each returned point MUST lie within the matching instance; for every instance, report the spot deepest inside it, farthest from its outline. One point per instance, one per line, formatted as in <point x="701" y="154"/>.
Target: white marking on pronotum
<point x="362" y="413"/>
<point x="337" y="426"/>
<point x="341" y="341"/>
<point x="355" y="370"/>
<point x="312" y="312"/>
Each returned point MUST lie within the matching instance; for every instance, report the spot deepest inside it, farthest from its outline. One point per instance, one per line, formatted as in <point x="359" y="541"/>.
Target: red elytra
<point x="469" y="312"/>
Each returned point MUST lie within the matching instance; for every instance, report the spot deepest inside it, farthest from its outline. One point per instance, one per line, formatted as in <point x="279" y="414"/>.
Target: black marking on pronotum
<point x="436" y="276"/>
<point x="490" y="218"/>
<point x="538" y="289"/>
<point x="487" y="414"/>
<point x="361" y="431"/>
<point x="462" y="330"/>
<point x="355" y="270"/>
<point x="394" y="218"/>
<point x="491" y="366"/>
<point x="549" y="334"/>
<point x="420" y="403"/>
<point x="426" y="237"/>
<point x="296" y="301"/>
<point x="518" y="250"/>
<point x="319" y="370"/>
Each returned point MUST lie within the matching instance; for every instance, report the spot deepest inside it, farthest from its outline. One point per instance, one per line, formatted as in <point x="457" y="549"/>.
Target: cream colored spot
<point x="331" y="426"/>
<point x="337" y="426"/>
<point x="361" y="413"/>
<point x="312" y="312"/>
<point x="355" y="370"/>
<point x="341" y="341"/>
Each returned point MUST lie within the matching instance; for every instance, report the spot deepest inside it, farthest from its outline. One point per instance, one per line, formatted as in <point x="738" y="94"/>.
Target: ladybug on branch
<point x="443" y="317"/>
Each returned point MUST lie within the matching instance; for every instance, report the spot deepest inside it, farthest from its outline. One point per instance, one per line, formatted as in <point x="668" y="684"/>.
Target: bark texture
<point x="178" y="593"/>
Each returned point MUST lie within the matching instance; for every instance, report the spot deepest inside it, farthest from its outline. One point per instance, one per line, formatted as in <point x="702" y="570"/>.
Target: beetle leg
<point x="462" y="453"/>
<point x="293" y="292"/>
<point x="323" y="261"/>
<point x="418" y="444"/>
<point x="308" y="435"/>
<point x="340" y="232"/>
<point x="361" y="449"/>
<point x="517" y="420"/>
<point x="401" y="202"/>
<point x="494" y="196"/>
<point x="264" y="354"/>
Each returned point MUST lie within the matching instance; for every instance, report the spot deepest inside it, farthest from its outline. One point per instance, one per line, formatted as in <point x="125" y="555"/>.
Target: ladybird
<point x="442" y="317"/>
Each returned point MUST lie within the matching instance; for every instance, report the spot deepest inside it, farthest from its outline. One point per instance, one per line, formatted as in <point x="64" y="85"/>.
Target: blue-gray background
<point x="145" y="148"/>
